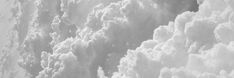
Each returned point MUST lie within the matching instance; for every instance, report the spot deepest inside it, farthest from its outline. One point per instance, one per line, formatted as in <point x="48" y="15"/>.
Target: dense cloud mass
<point x="196" y="45"/>
<point x="120" y="39"/>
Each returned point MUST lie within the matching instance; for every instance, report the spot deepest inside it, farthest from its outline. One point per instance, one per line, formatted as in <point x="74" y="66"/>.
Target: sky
<point x="116" y="38"/>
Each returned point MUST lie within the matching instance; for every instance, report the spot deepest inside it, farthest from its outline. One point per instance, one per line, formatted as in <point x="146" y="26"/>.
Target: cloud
<point x="101" y="73"/>
<point x="195" y="45"/>
<point x="83" y="36"/>
<point x="216" y="59"/>
<point x="176" y="72"/>
<point x="62" y="63"/>
<point x="185" y="73"/>
<point x="223" y="32"/>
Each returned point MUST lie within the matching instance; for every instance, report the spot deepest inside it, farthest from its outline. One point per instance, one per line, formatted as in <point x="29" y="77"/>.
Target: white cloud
<point x="101" y="73"/>
<point x="63" y="62"/>
<point x="197" y="45"/>
<point x="224" y="32"/>
<point x="214" y="60"/>
<point x="82" y="35"/>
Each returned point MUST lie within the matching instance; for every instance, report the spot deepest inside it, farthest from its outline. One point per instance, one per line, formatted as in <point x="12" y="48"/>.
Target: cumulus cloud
<point x="214" y="60"/>
<point x="196" y="45"/>
<point x="62" y="63"/>
<point x="87" y="38"/>
<point x="224" y="31"/>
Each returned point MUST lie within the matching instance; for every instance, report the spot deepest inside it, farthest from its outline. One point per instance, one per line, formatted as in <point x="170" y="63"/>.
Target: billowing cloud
<point x="87" y="38"/>
<point x="63" y="63"/>
<point x="196" y="45"/>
